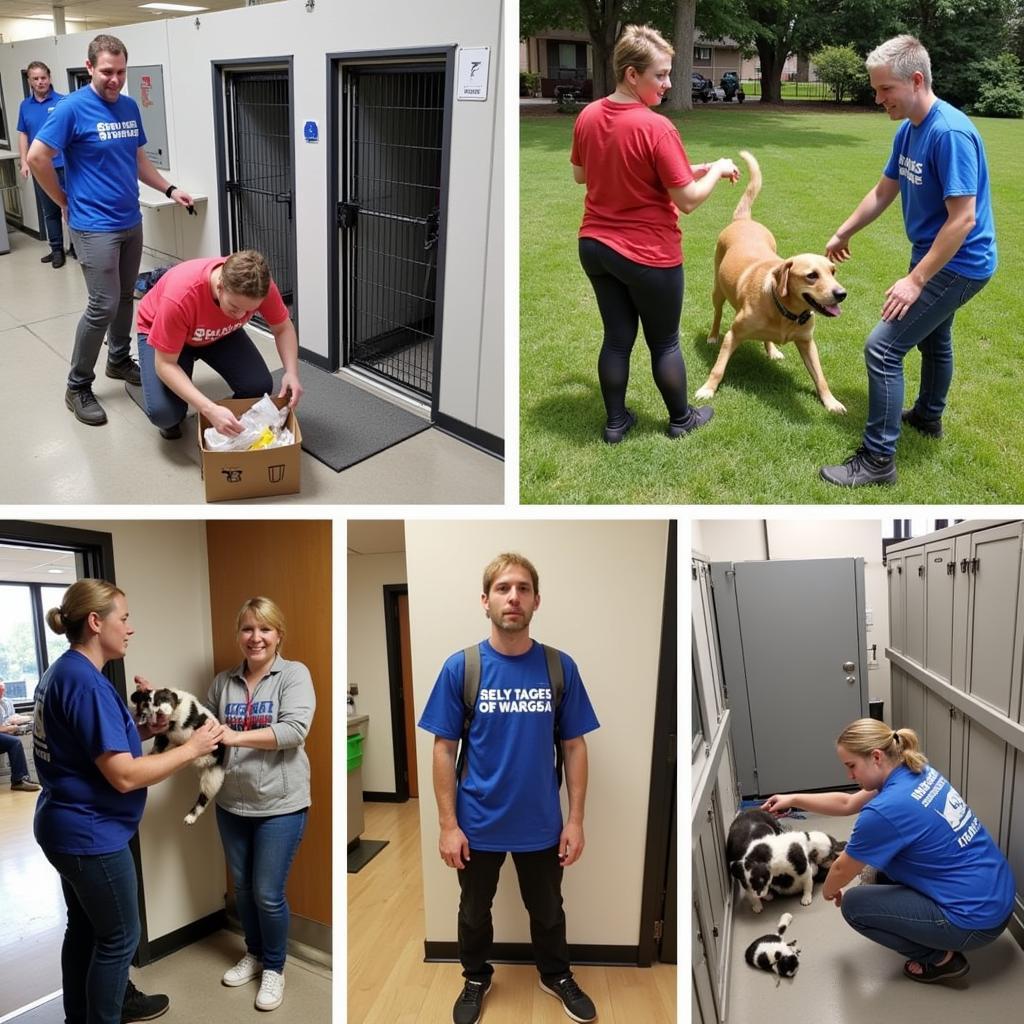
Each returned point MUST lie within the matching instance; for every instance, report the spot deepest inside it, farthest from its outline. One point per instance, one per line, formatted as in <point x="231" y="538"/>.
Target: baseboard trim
<point x="522" y="953"/>
<point x="383" y="798"/>
<point x="489" y="443"/>
<point x="186" y="935"/>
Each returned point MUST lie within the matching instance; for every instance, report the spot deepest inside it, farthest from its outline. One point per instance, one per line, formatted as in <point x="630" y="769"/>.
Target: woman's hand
<point x="290" y="386"/>
<point x="777" y="804"/>
<point x="727" y="169"/>
<point x="230" y="737"/>
<point x="223" y="421"/>
<point x="205" y="739"/>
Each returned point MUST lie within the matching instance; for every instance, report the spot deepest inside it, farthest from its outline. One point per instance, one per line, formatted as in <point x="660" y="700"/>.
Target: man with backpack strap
<point x="524" y="701"/>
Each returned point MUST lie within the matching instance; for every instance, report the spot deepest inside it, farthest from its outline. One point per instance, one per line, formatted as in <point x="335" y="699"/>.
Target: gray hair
<point x="904" y="55"/>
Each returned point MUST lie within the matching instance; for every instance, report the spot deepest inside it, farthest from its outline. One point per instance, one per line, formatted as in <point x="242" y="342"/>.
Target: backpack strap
<point x="556" y="679"/>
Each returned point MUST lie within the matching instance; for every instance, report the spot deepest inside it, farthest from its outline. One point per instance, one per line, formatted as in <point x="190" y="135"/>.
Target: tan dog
<point x="775" y="299"/>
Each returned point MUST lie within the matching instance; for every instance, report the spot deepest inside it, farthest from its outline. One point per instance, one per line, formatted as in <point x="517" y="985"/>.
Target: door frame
<point x="335" y="68"/>
<point x="218" y="68"/>
<point x="394" y="647"/>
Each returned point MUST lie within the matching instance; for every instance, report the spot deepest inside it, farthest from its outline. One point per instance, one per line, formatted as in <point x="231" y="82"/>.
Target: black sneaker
<point x="613" y="435"/>
<point x="128" y="370"/>
<point x="575" y="1001"/>
<point x="138" y="1006"/>
<point x="469" y="1007"/>
<point x="696" y="417"/>
<point x="58" y="260"/>
<point x="171" y="433"/>
<point x="930" y="428"/>
<point x="86" y="408"/>
<point x="860" y="469"/>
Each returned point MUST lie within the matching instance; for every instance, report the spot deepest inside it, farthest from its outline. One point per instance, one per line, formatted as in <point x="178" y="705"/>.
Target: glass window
<point x="55" y="645"/>
<point x="19" y="663"/>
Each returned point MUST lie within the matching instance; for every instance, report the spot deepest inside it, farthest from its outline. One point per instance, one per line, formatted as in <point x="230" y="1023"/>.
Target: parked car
<point x="731" y="86"/>
<point x="701" y="88"/>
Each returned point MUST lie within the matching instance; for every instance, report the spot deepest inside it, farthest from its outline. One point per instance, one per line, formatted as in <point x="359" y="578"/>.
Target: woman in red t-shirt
<point x="197" y="310"/>
<point x="638" y="178"/>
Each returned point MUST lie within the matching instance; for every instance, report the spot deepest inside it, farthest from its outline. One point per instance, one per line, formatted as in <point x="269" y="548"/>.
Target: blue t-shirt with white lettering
<point x="508" y="798"/>
<point x="78" y="716"/>
<point x="32" y="115"/>
<point x="941" y="157"/>
<point x="100" y="142"/>
<point x="921" y="833"/>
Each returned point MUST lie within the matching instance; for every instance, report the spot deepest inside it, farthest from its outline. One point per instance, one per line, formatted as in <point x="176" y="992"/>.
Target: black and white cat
<point x="185" y="714"/>
<point x="771" y="953"/>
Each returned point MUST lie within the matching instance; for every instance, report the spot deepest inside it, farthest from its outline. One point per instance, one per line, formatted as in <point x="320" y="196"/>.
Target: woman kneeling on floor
<point x="948" y="888"/>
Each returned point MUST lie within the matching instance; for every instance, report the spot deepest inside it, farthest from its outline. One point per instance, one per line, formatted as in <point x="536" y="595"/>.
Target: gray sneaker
<point x="84" y="405"/>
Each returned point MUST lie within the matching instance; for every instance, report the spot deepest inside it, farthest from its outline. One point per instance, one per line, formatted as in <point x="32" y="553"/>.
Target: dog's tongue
<point x="833" y="310"/>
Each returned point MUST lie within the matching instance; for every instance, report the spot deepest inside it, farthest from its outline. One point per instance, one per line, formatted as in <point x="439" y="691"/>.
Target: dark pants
<point x="11" y="746"/>
<point x="53" y="219"/>
<point x="101" y="893"/>
<point x="629" y="294"/>
<point x="540" y="883"/>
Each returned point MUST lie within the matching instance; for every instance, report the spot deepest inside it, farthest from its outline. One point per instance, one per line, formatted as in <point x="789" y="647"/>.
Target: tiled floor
<point x="845" y="978"/>
<point x="51" y="458"/>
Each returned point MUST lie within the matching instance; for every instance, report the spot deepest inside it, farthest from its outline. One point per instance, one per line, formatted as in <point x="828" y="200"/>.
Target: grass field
<point x="770" y="434"/>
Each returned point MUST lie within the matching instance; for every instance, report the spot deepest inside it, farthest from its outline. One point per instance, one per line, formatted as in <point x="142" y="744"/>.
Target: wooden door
<point x="405" y="649"/>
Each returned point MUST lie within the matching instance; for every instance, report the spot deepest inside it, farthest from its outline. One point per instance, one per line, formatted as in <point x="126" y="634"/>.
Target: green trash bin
<point x="355" y="752"/>
<point x="355" y="788"/>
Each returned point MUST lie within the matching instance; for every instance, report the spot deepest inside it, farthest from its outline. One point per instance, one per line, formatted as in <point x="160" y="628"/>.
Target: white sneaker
<point x="245" y="970"/>
<point x="271" y="993"/>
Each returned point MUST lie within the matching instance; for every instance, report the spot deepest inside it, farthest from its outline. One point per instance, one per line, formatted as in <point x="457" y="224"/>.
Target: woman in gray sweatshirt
<point x="266" y="705"/>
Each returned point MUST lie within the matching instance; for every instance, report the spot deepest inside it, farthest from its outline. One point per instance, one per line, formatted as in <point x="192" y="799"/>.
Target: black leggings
<point x="629" y="293"/>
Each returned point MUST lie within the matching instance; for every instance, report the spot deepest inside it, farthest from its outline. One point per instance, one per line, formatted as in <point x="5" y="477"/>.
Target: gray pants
<point x="110" y="262"/>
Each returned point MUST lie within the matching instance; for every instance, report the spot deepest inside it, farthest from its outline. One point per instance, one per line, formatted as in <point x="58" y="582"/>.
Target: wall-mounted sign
<point x="474" y="63"/>
<point x="146" y="87"/>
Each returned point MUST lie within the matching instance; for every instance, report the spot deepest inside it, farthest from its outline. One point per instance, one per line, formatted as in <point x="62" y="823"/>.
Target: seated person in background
<point x="197" y="310"/>
<point x="10" y="743"/>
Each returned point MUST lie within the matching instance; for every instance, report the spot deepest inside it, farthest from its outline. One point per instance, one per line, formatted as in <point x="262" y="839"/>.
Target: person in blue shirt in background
<point x="11" y="724"/>
<point x="948" y="886"/>
<point x="35" y="109"/>
<point x="99" y="133"/>
<point x="88" y="755"/>
<point x="939" y="170"/>
<point x="507" y="799"/>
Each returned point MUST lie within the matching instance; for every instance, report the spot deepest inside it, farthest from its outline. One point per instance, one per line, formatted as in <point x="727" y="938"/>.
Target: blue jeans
<point x="259" y="852"/>
<point x="110" y="264"/>
<point x="906" y="920"/>
<point x="928" y="325"/>
<point x="11" y="746"/>
<point x="53" y="219"/>
<point x="235" y="357"/>
<point x="101" y="893"/>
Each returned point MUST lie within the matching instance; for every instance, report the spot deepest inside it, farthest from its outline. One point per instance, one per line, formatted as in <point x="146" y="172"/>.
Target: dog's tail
<point x="742" y="210"/>
<point x="784" y="924"/>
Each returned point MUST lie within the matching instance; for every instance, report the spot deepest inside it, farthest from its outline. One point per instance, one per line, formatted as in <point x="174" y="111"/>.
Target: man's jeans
<point x="110" y="262"/>
<point x="928" y="325"/>
<point x="101" y="893"/>
<point x="53" y="219"/>
<point x="11" y="746"/>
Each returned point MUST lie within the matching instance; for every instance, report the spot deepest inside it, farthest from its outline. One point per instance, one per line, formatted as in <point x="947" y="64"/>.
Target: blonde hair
<point x="904" y="55"/>
<point x="81" y="599"/>
<point x="502" y="562"/>
<point x="638" y="47"/>
<point x="900" y="745"/>
<point x="246" y="273"/>
<point x="266" y="613"/>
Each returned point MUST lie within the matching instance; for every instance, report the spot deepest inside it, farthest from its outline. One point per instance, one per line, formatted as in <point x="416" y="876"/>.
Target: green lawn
<point x="770" y="434"/>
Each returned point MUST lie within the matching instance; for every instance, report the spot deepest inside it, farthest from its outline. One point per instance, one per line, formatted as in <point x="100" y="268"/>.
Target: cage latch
<point x="347" y="213"/>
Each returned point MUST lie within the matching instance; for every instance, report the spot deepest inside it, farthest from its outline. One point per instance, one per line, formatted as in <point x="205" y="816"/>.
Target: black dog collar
<point x="801" y="319"/>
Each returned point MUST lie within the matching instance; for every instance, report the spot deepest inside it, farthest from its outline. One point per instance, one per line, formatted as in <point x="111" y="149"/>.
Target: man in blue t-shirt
<point x="507" y="798"/>
<point x="12" y="725"/>
<point x="99" y="133"/>
<point x="35" y="108"/>
<point x="938" y="169"/>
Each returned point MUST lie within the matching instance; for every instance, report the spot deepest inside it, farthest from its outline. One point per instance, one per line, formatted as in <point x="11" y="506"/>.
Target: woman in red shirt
<point x="638" y="178"/>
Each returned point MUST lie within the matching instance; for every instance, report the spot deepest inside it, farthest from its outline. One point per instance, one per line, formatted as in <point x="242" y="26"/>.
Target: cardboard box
<point x="264" y="473"/>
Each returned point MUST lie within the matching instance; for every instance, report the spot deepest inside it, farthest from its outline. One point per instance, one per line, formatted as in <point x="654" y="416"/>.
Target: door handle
<point x="851" y="679"/>
<point x="848" y="666"/>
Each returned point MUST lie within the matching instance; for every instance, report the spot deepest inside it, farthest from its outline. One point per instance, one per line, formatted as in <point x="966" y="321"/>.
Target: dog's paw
<point x="756" y="907"/>
<point x="835" y="406"/>
<point x="774" y="352"/>
<point x="190" y="819"/>
<point x="712" y="339"/>
<point x="805" y="901"/>
<point x="705" y="392"/>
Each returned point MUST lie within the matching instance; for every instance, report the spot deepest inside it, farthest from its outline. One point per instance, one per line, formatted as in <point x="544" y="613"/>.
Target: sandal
<point x="955" y="967"/>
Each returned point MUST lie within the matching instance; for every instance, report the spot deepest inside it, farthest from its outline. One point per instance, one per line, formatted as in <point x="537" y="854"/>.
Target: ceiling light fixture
<point x="183" y="8"/>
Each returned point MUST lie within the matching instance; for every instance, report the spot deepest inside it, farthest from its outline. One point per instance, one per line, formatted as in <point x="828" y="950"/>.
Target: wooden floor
<point x="389" y="982"/>
<point x="33" y="908"/>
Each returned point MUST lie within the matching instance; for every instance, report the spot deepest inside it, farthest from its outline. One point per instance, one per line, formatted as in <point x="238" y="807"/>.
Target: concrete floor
<point x="51" y="458"/>
<point x="846" y="979"/>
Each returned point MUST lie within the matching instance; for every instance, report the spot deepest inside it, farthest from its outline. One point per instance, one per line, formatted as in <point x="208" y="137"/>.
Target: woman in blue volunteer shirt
<point x="952" y="889"/>
<point x="87" y="750"/>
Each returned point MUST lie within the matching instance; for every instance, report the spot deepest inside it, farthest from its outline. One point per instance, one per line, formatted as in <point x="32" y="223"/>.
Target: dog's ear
<point x="782" y="277"/>
<point x="139" y="697"/>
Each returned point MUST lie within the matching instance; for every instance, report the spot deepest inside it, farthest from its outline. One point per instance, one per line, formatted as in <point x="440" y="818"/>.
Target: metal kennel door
<point x="389" y="218"/>
<point x="258" y="169"/>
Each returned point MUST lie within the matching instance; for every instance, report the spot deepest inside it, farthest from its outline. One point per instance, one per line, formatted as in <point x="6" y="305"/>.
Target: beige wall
<point x="602" y="588"/>
<point x="368" y="660"/>
<point x="162" y="568"/>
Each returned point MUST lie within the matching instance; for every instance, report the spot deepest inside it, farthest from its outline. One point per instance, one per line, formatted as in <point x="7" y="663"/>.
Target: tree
<point x="840" y="68"/>
<point x="681" y="96"/>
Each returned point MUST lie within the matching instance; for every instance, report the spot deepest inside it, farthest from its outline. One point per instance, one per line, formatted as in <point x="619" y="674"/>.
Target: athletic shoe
<point x="138" y="1006"/>
<point x="246" y="969"/>
<point x="696" y="417"/>
<point x="26" y="786"/>
<point x="469" y="1007"/>
<point x="84" y="405"/>
<point x="271" y="993"/>
<point x="955" y="967"/>
<point x="128" y="370"/>
<point x="575" y="1001"/>
<point x="860" y="469"/>
<point x="930" y="428"/>
<point x="613" y="435"/>
<point x="58" y="260"/>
